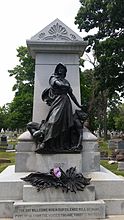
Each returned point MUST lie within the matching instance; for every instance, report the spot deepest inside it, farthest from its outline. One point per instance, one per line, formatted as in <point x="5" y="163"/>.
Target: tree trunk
<point x="105" y="114"/>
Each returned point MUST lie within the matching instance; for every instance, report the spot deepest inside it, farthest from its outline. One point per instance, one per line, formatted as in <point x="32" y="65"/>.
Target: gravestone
<point x="120" y="156"/>
<point x="4" y="140"/>
<point x="10" y="147"/>
<point x="113" y="143"/>
<point x="121" y="165"/>
<point x="120" y="145"/>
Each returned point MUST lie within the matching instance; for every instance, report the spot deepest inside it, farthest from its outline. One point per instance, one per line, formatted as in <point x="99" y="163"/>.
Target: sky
<point x="19" y="21"/>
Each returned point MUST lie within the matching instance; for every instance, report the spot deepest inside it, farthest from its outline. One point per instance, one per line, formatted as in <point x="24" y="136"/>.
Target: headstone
<point x="4" y="140"/>
<point x="113" y="143"/>
<point x="2" y="131"/>
<point x="121" y="165"/>
<point x="10" y="147"/>
<point x="120" y="144"/>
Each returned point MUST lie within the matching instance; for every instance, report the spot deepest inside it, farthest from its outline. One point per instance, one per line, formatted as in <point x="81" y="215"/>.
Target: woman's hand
<point x="81" y="106"/>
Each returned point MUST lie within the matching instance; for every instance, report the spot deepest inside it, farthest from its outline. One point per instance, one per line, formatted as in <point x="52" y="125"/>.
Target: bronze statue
<point x="61" y="130"/>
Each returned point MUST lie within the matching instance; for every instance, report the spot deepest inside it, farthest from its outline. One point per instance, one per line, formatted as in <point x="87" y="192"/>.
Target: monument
<point x="60" y="193"/>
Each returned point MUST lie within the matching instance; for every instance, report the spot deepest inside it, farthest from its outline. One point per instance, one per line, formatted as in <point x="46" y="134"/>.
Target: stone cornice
<point x="56" y="47"/>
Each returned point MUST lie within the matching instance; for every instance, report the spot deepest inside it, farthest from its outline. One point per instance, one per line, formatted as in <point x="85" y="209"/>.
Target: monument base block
<point x="56" y="195"/>
<point x="59" y="210"/>
<point x="32" y="162"/>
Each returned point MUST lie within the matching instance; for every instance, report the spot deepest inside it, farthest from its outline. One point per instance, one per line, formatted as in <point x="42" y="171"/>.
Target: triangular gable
<point x="56" y="31"/>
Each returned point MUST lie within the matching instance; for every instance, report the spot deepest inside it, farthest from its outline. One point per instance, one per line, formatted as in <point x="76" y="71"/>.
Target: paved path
<point x="115" y="217"/>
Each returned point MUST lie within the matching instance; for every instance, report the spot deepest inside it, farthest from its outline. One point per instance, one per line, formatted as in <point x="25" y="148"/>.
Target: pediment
<point x="56" y="31"/>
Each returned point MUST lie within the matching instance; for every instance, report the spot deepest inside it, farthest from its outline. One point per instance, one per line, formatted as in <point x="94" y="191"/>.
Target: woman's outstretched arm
<point x="74" y="98"/>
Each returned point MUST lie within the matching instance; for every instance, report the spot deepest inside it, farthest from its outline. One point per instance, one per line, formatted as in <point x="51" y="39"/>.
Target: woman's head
<point x="61" y="70"/>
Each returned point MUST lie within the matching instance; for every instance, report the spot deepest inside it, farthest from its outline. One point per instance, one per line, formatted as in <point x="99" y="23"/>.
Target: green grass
<point x="112" y="167"/>
<point x="7" y="155"/>
<point x="103" y="146"/>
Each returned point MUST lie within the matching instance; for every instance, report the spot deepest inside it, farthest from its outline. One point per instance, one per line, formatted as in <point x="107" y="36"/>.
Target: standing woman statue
<point x="56" y="130"/>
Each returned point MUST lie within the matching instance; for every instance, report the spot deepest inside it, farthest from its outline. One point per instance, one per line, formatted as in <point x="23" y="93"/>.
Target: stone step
<point x="6" y="208"/>
<point x="110" y="217"/>
<point x="11" y="186"/>
<point x="114" y="206"/>
<point x="106" y="189"/>
<point x="53" y="195"/>
<point x="11" y="190"/>
<point x="59" y="210"/>
<point x="115" y="217"/>
<point x="6" y="218"/>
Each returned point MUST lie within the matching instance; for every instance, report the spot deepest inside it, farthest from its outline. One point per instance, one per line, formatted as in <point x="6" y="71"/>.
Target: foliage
<point x="108" y="17"/>
<point x="24" y="72"/>
<point x="20" y="109"/>
<point x="86" y="84"/>
<point x="3" y="117"/>
<point x="119" y="119"/>
<point x="97" y="102"/>
<point x="105" y="19"/>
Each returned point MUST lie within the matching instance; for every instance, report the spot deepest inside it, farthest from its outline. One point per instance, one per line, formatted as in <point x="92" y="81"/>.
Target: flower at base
<point x="57" y="172"/>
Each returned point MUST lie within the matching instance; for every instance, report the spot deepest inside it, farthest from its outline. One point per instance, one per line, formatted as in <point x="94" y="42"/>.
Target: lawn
<point x="103" y="146"/>
<point x="7" y="155"/>
<point x="10" y="156"/>
<point x="112" y="167"/>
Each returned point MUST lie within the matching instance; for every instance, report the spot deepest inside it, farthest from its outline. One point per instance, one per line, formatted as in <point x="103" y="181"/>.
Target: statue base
<point x="85" y="160"/>
<point x="32" y="162"/>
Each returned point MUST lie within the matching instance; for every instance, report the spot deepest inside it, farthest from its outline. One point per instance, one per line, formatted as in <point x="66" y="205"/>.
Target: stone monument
<point x="55" y="44"/>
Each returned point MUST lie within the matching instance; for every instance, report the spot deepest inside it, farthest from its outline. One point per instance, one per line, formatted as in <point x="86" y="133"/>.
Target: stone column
<point x="55" y="44"/>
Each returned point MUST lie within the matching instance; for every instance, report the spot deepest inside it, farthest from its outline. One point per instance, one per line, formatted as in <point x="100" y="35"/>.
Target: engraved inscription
<point x="58" y="164"/>
<point x="57" y="212"/>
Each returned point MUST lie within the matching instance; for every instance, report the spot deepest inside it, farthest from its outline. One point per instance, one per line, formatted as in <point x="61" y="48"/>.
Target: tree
<point x="3" y="116"/>
<point x="108" y="19"/>
<point x="119" y="119"/>
<point x="20" y="110"/>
